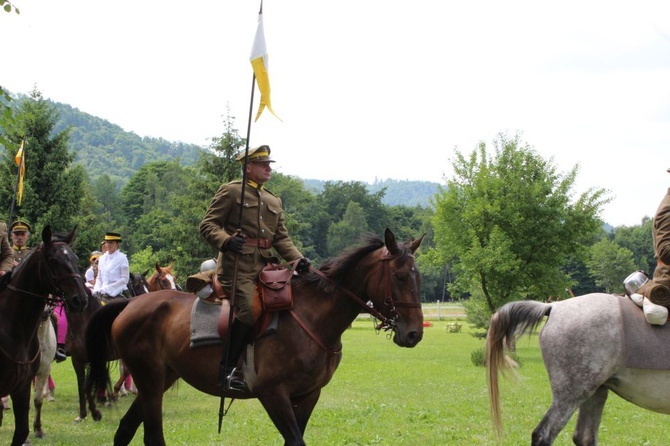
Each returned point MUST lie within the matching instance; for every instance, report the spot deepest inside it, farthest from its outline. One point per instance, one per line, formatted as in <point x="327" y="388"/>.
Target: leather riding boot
<point x="60" y="355"/>
<point x="657" y="293"/>
<point x="240" y="335"/>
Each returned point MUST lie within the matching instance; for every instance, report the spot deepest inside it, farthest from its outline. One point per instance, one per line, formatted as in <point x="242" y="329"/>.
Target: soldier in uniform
<point x="251" y="241"/>
<point x="657" y="290"/>
<point x="20" y="233"/>
<point x="6" y="258"/>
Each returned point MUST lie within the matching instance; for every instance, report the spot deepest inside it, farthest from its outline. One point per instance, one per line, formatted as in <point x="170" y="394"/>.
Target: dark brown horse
<point x="49" y="270"/>
<point x="286" y="370"/>
<point x="163" y="279"/>
<point x="75" y="341"/>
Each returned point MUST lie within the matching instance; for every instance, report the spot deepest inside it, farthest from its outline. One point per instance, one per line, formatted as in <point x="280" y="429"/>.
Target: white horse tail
<point x="510" y="322"/>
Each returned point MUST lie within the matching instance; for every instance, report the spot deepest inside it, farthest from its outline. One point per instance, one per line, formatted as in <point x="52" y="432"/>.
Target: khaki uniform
<point x="6" y="257"/>
<point x="263" y="227"/>
<point x="661" y="234"/>
<point x="20" y="253"/>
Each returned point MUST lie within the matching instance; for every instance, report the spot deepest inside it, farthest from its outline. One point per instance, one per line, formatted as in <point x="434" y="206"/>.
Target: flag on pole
<point x="259" y="62"/>
<point x="20" y="160"/>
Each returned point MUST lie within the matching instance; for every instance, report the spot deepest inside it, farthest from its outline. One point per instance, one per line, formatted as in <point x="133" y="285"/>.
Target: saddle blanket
<point x="641" y="337"/>
<point x="204" y="324"/>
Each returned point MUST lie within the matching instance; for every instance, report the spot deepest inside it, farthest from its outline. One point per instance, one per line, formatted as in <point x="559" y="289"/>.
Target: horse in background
<point x="49" y="270"/>
<point x="163" y="278"/>
<point x="47" y="338"/>
<point x="285" y="370"/>
<point x="76" y="339"/>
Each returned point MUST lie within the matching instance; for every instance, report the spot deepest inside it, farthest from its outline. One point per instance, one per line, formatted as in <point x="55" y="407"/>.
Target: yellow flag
<point x="20" y="161"/>
<point x="259" y="62"/>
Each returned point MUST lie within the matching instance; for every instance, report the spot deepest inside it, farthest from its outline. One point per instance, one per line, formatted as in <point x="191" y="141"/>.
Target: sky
<point x="373" y="89"/>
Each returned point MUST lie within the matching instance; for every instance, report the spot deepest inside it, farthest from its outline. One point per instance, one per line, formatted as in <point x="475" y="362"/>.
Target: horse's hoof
<point x="97" y="415"/>
<point x="39" y="434"/>
<point x="79" y="419"/>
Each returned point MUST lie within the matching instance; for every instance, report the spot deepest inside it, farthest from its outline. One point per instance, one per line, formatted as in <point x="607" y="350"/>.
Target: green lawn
<point x="381" y="395"/>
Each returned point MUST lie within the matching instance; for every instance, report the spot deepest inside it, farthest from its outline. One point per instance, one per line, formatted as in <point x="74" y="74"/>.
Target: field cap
<point x="258" y="154"/>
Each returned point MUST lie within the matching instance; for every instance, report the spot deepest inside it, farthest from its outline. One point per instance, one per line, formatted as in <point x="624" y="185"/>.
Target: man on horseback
<point x="113" y="270"/>
<point x="245" y="238"/>
<point x="657" y="290"/>
<point x="20" y="232"/>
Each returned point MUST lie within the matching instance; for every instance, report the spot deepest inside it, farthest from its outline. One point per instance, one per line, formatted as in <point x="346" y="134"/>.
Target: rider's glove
<point x="234" y="244"/>
<point x="303" y="265"/>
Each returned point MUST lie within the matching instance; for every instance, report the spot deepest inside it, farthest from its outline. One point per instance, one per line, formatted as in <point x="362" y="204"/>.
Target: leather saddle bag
<point x="274" y="283"/>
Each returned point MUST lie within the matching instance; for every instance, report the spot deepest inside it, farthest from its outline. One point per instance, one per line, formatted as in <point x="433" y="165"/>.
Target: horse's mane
<point x="337" y="267"/>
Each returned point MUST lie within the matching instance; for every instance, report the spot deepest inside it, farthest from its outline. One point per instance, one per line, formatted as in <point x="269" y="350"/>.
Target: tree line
<point x="503" y="227"/>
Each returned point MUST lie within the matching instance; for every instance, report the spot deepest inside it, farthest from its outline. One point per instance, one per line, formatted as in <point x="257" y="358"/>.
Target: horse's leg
<point x="21" y="409"/>
<point x="79" y="369"/>
<point x="129" y="424"/>
<point x="303" y="408"/>
<point x="38" y="399"/>
<point x="588" y="420"/>
<point x="280" y="409"/>
<point x="553" y="422"/>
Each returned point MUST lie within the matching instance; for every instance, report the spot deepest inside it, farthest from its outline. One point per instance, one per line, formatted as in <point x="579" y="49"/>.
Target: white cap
<point x="207" y="265"/>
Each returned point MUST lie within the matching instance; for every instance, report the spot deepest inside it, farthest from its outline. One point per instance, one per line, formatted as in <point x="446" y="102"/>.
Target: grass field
<point x="380" y="395"/>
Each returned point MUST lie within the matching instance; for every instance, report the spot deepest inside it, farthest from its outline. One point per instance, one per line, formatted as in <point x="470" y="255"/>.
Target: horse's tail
<point x="99" y="347"/>
<point x="510" y="322"/>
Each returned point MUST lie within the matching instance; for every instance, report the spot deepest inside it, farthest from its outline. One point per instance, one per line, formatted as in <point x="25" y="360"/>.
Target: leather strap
<point x="262" y="243"/>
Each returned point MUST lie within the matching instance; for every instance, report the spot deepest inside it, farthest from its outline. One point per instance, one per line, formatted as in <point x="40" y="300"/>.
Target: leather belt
<point x="262" y="243"/>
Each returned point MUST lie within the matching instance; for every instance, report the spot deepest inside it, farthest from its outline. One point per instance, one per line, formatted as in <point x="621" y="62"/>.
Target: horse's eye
<point x="401" y="276"/>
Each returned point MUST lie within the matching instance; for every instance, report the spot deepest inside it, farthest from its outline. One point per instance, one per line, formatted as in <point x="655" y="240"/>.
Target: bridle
<point x="54" y="281"/>
<point x="387" y="323"/>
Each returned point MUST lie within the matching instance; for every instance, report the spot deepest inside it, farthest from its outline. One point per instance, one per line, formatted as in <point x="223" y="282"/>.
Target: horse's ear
<point x="46" y="234"/>
<point x="71" y="236"/>
<point x="158" y="267"/>
<point x="390" y="242"/>
<point x="414" y="244"/>
<point x="144" y="274"/>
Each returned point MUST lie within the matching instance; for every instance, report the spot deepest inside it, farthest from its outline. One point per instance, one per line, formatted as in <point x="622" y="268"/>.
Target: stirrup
<point x="235" y="381"/>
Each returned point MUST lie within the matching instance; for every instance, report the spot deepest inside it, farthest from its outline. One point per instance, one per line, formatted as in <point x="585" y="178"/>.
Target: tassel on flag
<point x="259" y="62"/>
<point x="20" y="161"/>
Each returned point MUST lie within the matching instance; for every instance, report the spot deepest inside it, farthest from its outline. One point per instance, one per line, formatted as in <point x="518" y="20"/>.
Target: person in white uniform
<point x="113" y="271"/>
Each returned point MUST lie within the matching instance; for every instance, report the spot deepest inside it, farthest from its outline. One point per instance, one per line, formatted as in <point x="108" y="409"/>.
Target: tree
<point x="347" y="231"/>
<point x="52" y="184"/>
<point x="610" y="264"/>
<point x="220" y="162"/>
<point x="639" y="241"/>
<point x="508" y="224"/>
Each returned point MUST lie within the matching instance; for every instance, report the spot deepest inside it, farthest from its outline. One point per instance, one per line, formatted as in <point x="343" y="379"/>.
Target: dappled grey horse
<point x="586" y="355"/>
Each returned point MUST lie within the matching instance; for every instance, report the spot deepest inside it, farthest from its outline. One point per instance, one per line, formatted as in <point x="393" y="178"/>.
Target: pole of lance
<point x="233" y="292"/>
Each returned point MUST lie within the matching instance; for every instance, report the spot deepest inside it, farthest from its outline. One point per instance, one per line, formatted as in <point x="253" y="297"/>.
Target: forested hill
<point x="105" y="148"/>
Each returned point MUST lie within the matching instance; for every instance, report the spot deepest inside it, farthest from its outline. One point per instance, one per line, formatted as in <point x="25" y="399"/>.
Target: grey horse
<point x="585" y="354"/>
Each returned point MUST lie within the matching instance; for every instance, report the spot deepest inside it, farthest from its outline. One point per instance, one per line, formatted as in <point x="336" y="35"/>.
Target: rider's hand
<point x="303" y="265"/>
<point x="234" y="244"/>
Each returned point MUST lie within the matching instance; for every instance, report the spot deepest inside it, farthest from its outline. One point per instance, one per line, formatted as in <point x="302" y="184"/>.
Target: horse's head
<point x="162" y="279"/>
<point x="394" y="286"/>
<point x="57" y="262"/>
<point x="137" y="283"/>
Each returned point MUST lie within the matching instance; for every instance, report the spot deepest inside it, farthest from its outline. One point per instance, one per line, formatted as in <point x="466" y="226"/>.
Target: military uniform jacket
<point x="661" y="234"/>
<point x="20" y="254"/>
<point x="6" y="257"/>
<point x="262" y="218"/>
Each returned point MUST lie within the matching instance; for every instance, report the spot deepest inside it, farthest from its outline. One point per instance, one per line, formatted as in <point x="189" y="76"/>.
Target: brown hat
<point x="20" y="226"/>
<point x="257" y="154"/>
